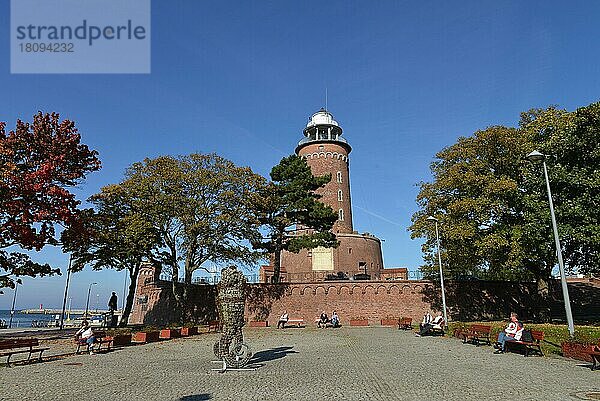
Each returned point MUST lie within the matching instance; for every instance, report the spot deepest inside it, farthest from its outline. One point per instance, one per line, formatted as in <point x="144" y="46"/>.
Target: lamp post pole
<point x="64" y="305"/>
<point x="87" y="304"/>
<point x="536" y="156"/>
<point x="12" y="310"/>
<point x="437" y="235"/>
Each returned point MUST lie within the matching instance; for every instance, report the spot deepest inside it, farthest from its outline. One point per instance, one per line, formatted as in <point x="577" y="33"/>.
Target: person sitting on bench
<point x="512" y="332"/>
<point x="86" y="335"/>
<point x="435" y="323"/>
<point x="335" y="319"/>
<point x="283" y="320"/>
<point x="323" y="320"/>
<point x="426" y="320"/>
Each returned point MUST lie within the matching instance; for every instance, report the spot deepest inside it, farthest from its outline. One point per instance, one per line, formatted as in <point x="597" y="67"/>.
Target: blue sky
<point x="240" y="79"/>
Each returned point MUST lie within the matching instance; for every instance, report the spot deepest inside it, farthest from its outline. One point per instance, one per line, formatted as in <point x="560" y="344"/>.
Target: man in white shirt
<point x="436" y="323"/>
<point x="85" y="335"/>
<point x="426" y="320"/>
<point x="283" y="319"/>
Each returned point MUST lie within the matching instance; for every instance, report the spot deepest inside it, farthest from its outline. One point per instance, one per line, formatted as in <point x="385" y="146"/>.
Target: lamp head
<point x="535" y="156"/>
<point x="431" y="218"/>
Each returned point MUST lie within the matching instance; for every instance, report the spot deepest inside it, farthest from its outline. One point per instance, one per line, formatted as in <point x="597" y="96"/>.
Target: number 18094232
<point x="51" y="47"/>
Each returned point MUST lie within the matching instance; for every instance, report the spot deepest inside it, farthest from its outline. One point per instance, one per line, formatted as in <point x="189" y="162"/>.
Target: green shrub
<point x="554" y="334"/>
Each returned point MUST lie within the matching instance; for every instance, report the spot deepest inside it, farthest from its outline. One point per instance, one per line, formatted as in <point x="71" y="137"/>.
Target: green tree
<point x="476" y="195"/>
<point x="571" y="141"/>
<point x="117" y="236"/>
<point x="201" y="207"/>
<point x="288" y="203"/>
<point x="492" y="202"/>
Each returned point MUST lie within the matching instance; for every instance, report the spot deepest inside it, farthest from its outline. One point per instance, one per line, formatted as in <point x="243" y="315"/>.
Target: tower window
<point x="349" y="251"/>
<point x="340" y="195"/>
<point x="341" y="214"/>
<point x="339" y="176"/>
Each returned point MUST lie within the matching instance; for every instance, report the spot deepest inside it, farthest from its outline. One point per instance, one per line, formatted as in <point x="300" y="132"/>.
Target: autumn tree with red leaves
<point x="38" y="163"/>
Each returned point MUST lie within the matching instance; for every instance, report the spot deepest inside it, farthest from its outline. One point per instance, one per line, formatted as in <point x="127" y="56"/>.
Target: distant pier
<point x="59" y="311"/>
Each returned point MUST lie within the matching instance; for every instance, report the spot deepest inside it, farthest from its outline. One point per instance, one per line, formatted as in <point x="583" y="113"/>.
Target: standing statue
<point x="230" y="348"/>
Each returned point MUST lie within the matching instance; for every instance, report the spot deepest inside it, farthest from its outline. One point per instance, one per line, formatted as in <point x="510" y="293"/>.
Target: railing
<point x="357" y="275"/>
<point x="212" y="280"/>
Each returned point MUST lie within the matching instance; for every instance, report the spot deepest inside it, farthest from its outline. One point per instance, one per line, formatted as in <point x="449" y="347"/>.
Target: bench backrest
<point x="406" y="320"/>
<point x="537" y="335"/>
<point x="19" y="343"/>
<point x="481" y="328"/>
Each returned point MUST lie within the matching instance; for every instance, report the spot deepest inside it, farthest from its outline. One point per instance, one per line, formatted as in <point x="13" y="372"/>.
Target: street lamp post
<point x="536" y="156"/>
<point x="62" y="316"/>
<point x="87" y="304"/>
<point x="437" y="235"/>
<point x="12" y="310"/>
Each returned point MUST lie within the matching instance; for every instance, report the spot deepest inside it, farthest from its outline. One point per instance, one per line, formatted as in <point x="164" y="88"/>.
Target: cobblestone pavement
<point x="374" y="363"/>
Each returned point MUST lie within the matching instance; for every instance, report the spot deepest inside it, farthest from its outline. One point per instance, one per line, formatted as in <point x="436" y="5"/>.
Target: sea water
<point x="25" y="320"/>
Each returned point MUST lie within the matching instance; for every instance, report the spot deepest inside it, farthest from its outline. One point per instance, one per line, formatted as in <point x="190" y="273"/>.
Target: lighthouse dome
<point x="321" y="117"/>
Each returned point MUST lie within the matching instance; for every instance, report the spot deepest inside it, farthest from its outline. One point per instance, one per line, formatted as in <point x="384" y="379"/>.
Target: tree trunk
<point x="133" y="275"/>
<point x="543" y="294"/>
<point x="174" y="280"/>
<point x="188" y="270"/>
<point x="276" y="266"/>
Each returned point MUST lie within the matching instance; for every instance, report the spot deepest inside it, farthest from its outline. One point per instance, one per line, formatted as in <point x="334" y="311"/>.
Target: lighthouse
<point x="326" y="151"/>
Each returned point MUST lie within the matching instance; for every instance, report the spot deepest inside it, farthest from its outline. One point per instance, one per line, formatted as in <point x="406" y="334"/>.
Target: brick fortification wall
<point x="374" y="300"/>
<point x="154" y="303"/>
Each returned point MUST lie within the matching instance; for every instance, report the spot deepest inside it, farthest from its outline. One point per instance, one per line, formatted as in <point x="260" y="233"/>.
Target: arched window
<point x="341" y="214"/>
<point x="340" y="195"/>
<point x="339" y="176"/>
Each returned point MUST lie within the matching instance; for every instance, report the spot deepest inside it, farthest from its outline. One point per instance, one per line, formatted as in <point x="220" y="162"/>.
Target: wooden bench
<point x="595" y="354"/>
<point x="100" y="338"/>
<point x="8" y="348"/>
<point x="294" y="322"/>
<point x="533" y="346"/>
<point x="405" y="323"/>
<point x="214" y="325"/>
<point x="476" y="334"/>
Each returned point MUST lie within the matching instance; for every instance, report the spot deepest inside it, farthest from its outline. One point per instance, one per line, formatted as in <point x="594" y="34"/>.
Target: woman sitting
<point x="335" y="319"/>
<point x="323" y="320"/>
<point x="85" y="335"/>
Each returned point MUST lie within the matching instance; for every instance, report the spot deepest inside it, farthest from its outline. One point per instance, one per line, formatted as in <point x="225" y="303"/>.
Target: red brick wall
<point x="329" y="158"/>
<point x="467" y="301"/>
<point x="373" y="300"/>
<point x="354" y="248"/>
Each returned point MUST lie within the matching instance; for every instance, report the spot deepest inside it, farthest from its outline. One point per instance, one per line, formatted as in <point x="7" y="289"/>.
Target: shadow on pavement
<point x="195" y="397"/>
<point x="272" y="354"/>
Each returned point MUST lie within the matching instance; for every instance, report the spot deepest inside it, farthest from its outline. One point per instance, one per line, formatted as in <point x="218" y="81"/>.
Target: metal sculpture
<point x="230" y="348"/>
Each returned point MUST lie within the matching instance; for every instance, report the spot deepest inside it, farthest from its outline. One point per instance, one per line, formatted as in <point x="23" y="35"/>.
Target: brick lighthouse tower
<point x="326" y="152"/>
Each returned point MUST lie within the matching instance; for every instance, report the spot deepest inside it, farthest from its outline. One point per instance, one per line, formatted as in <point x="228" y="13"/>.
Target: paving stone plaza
<point x="372" y="363"/>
